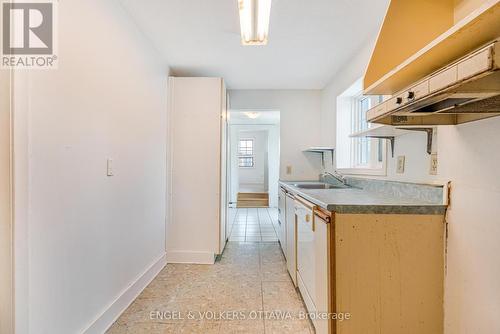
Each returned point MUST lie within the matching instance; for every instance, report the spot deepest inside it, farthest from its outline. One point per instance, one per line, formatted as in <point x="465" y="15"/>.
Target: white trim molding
<point x="108" y="316"/>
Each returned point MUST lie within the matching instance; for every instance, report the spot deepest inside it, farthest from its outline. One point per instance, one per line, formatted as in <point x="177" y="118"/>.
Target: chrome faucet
<point x="336" y="175"/>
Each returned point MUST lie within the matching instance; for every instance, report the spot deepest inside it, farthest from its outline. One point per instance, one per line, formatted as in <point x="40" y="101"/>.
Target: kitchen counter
<point x="378" y="197"/>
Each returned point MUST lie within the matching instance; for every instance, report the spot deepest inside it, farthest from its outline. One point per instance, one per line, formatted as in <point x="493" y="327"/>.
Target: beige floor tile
<point x="282" y="296"/>
<point x="201" y="327"/>
<point x="143" y="328"/>
<point x="288" y="326"/>
<point x="275" y="273"/>
<point x="251" y="276"/>
<point x="242" y="327"/>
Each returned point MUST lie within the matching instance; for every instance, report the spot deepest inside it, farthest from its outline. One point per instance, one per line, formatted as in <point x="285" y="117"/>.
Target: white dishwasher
<point x="313" y="269"/>
<point x="291" y="240"/>
<point x="305" y="252"/>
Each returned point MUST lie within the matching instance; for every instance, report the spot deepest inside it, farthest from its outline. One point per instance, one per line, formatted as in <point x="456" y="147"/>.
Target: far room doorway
<point x="253" y="173"/>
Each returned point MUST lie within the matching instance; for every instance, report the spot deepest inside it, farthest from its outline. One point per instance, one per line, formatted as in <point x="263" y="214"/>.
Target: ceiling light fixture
<point x="254" y="21"/>
<point x="252" y="115"/>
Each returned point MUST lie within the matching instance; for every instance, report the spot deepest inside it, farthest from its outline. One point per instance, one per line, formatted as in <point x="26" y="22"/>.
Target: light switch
<point x="288" y="170"/>
<point x="109" y="167"/>
<point x="401" y="164"/>
<point x="434" y="164"/>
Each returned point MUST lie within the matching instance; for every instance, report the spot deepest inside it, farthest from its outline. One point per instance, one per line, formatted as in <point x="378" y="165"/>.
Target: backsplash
<point x="433" y="194"/>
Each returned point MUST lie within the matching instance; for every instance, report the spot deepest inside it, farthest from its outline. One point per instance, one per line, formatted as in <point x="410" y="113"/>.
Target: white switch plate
<point x="288" y="170"/>
<point x="109" y="171"/>
<point x="401" y="164"/>
<point x="434" y="164"/>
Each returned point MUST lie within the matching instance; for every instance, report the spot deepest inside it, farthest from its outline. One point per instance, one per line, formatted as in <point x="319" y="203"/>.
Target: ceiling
<point x="309" y="40"/>
<point x="267" y="117"/>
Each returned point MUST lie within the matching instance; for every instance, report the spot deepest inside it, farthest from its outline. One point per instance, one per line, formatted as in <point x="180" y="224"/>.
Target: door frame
<point x="272" y="182"/>
<point x="273" y="129"/>
<point x="6" y="207"/>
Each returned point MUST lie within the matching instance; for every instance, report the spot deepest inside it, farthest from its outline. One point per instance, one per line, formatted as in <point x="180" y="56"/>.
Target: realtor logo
<point x="28" y="34"/>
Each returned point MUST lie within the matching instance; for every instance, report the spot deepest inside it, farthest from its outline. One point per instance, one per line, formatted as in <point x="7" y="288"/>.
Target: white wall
<point x="6" y="262"/>
<point x="85" y="237"/>
<point x="300" y="126"/>
<point x="469" y="157"/>
<point x="255" y="175"/>
<point x="339" y="83"/>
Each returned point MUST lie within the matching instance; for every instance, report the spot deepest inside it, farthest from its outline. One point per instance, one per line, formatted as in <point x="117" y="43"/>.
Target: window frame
<point x="252" y="156"/>
<point x="354" y="97"/>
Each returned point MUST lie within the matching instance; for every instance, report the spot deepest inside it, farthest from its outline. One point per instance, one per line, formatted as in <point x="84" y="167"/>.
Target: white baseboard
<point x="120" y="304"/>
<point x="193" y="257"/>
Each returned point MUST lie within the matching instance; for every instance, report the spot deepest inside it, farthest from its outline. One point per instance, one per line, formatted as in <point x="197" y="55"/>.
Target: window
<point x="246" y="147"/>
<point x="245" y="162"/>
<point x="246" y="153"/>
<point x="358" y="155"/>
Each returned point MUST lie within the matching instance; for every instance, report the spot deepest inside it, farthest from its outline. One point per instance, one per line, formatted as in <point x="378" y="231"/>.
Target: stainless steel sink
<point x="318" y="186"/>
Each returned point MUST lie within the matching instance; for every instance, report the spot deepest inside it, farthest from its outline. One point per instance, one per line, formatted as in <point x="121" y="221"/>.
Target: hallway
<point x="253" y="224"/>
<point x="250" y="281"/>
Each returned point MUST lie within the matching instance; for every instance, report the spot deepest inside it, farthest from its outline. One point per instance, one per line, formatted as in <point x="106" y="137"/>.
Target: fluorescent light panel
<point x="254" y="21"/>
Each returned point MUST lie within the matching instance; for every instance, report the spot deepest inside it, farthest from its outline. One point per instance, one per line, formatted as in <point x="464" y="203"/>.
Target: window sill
<point x="363" y="171"/>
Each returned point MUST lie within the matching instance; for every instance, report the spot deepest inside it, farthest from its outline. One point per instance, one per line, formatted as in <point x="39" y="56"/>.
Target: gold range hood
<point x="464" y="91"/>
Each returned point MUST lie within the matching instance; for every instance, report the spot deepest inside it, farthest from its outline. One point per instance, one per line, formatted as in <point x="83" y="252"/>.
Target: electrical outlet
<point x="288" y="170"/>
<point x="434" y="164"/>
<point x="401" y="164"/>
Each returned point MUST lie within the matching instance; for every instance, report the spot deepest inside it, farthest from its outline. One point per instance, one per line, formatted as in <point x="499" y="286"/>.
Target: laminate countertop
<point x="365" y="198"/>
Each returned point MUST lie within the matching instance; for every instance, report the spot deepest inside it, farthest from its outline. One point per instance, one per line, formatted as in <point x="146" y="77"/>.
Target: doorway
<point x="253" y="175"/>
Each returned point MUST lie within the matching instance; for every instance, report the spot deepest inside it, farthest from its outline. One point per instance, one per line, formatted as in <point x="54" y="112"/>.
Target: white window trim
<point x="354" y="93"/>
<point x="247" y="155"/>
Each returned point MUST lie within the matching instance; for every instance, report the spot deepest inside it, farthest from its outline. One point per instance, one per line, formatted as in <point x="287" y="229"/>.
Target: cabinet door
<point x="194" y="103"/>
<point x="291" y="244"/>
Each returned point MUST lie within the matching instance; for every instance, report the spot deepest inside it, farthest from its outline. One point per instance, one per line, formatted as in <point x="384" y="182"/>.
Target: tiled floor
<point x="253" y="225"/>
<point x="247" y="291"/>
<point x="251" y="188"/>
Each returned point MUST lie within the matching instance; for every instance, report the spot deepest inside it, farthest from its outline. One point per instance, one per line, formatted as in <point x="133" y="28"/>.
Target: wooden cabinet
<point x="196" y="106"/>
<point x="384" y="271"/>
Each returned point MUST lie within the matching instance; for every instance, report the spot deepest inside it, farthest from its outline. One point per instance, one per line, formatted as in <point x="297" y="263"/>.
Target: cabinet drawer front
<point x="395" y="102"/>
<point x="474" y="65"/>
<point x="443" y="79"/>
<point x="377" y="111"/>
<point x="418" y="91"/>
